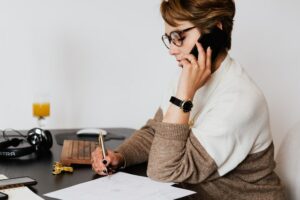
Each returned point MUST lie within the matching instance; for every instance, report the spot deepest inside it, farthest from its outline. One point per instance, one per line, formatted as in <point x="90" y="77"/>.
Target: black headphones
<point x="40" y="142"/>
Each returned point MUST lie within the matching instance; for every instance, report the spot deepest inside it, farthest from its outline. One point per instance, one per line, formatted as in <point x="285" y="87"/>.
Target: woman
<point x="211" y="133"/>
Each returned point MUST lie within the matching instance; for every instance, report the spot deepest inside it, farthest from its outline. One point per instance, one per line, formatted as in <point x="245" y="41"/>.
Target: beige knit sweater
<point x="174" y="154"/>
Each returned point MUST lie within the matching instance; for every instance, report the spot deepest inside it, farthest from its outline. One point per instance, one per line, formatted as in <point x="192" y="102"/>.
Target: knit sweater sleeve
<point x="136" y="148"/>
<point x="177" y="156"/>
<point x="172" y="151"/>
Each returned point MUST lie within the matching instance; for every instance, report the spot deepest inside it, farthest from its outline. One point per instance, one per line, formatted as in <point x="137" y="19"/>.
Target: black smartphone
<point x="11" y="182"/>
<point x="216" y="40"/>
<point x="3" y="196"/>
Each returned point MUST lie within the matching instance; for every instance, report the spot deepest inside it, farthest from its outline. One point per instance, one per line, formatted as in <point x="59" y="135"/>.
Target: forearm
<point x="175" y="115"/>
<point x="167" y="151"/>
<point x="136" y="149"/>
<point x="177" y="156"/>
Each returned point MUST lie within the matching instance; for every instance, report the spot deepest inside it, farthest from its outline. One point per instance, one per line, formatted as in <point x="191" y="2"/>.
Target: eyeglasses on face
<point x="175" y="37"/>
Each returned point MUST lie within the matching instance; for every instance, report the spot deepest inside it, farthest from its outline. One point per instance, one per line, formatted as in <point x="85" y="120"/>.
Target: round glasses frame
<point x="175" y="37"/>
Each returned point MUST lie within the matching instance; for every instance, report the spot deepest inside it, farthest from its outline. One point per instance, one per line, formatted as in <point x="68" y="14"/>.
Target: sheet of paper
<point x="121" y="186"/>
<point x="19" y="193"/>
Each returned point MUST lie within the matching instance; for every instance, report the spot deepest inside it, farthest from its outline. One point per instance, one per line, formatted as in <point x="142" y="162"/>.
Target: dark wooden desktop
<point x="40" y="169"/>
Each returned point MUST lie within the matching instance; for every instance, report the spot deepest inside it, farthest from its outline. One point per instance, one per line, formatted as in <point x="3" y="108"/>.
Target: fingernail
<point x="104" y="162"/>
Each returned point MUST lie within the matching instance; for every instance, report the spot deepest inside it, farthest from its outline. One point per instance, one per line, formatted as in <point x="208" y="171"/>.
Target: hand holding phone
<point x="190" y="82"/>
<point x="216" y="40"/>
<point x="195" y="73"/>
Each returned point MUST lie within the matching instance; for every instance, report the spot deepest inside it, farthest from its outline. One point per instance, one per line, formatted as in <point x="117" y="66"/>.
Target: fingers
<point x="197" y="71"/>
<point x="201" y="56"/>
<point x="97" y="162"/>
<point x="203" y="61"/>
<point x="190" y="59"/>
<point x="99" y="169"/>
<point x="185" y="63"/>
<point x="104" y="166"/>
<point x="208" y="59"/>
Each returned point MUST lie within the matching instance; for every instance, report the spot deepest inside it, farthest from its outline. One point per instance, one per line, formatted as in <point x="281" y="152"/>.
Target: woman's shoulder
<point x="237" y="82"/>
<point x="238" y="95"/>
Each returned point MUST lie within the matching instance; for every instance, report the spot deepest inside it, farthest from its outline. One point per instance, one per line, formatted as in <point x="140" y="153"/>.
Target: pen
<point x="101" y="142"/>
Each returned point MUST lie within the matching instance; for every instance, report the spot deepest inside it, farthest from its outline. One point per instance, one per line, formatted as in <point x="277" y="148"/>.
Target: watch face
<point x="187" y="106"/>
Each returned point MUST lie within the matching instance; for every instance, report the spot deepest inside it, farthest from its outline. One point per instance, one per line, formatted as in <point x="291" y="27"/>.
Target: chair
<point x="288" y="163"/>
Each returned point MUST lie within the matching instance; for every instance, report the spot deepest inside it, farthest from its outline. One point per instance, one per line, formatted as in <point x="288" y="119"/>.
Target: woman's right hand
<point x="195" y="72"/>
<point x="110" y="164"/>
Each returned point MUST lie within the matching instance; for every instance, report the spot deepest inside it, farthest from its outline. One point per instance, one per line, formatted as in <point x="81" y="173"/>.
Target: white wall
<point x="267" y="43"/>
<point x="103" y="64"/>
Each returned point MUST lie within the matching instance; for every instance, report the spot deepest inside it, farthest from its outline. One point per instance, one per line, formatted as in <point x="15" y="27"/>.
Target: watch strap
<point x="185" y="106"/>
<point x="176" y="101"/>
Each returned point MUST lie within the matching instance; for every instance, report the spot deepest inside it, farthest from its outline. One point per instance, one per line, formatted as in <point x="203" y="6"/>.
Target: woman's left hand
<point x="195" y="73"/>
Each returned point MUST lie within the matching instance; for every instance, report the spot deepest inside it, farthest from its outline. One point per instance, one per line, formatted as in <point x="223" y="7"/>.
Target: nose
<point x="173" y="50"/>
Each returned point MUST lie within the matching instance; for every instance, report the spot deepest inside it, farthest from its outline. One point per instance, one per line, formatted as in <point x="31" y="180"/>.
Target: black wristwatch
<point x="186" y="106"/>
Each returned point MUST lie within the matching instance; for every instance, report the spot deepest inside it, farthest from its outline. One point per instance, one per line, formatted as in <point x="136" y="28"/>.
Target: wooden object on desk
<point x="77" y="152"/>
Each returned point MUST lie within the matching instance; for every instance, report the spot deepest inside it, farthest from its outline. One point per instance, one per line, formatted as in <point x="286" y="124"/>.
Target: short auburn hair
<point x="204" y="14"/>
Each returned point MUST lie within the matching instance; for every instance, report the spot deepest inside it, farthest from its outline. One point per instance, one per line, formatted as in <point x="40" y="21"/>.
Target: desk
<point x="40" y="169"/>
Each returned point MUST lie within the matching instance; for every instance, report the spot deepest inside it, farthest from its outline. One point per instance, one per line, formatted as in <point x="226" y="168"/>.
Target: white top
<point x="231" y="116"/>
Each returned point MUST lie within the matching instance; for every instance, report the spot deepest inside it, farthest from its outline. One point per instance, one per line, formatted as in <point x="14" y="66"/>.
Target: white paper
<point x="121" y="186"/>
<point x="19" y="193"/>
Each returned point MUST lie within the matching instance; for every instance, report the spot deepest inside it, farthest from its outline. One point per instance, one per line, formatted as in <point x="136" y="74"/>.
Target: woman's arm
<point x="177" y="156"/>
<point x="136" y="149"/>
<point x="132" y="151"/>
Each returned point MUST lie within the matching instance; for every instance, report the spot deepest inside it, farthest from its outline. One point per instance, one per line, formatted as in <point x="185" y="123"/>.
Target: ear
<point x="219" y="25"/>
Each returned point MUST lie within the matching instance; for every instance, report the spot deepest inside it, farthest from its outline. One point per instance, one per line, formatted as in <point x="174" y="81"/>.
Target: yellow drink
<point x="41" y="109"/>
